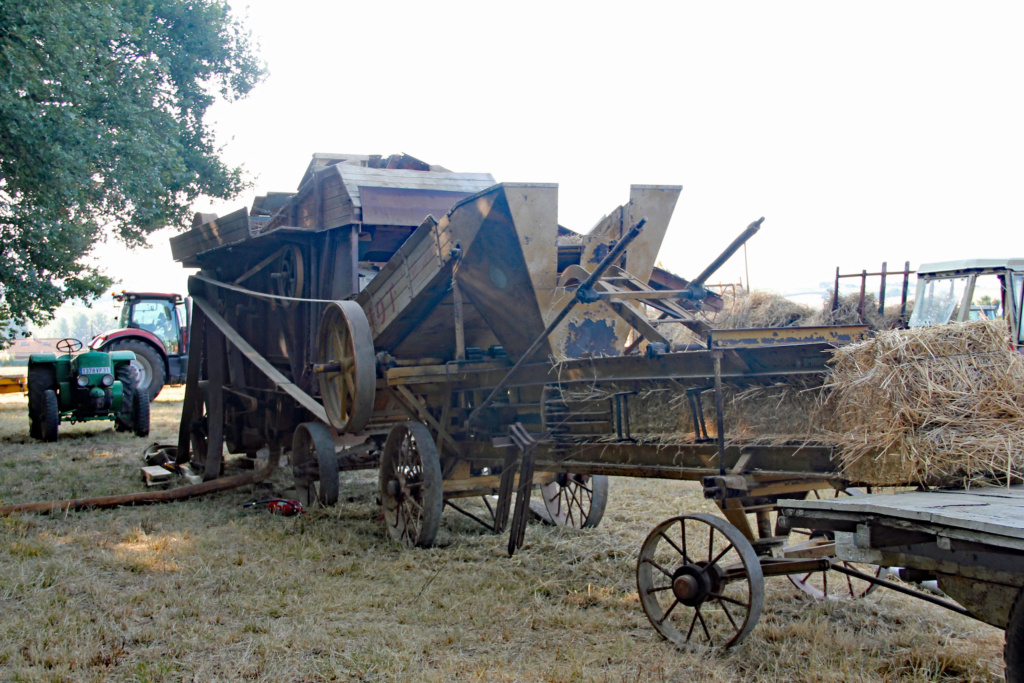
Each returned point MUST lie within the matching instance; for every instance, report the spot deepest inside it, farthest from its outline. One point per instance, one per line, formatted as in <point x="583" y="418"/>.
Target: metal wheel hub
<point x="694" y="583"/>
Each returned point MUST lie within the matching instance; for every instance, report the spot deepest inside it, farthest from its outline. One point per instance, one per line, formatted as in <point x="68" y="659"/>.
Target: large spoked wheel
<point x="576" y="500"/>
<point x="700" y="581"/>
<point x="289" y="275"/>
<point x="410" y="485"/>
<point x="826" y="585"/>
<point x="315" y="464"/>
<point x="347" y="366"/>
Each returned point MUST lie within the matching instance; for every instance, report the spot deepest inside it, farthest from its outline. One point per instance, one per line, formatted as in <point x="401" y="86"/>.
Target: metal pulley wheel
<point x="346" y="366"/>
<point x="288" y="274"/>
<point x="315" y="464"/>
<point x="700" y="582"/>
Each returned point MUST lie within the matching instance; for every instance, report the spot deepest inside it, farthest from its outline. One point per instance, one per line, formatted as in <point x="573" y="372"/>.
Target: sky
<point x="863" y="132"/>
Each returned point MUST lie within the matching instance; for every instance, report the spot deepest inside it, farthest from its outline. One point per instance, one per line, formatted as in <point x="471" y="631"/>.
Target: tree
<point x="101" y="127"/>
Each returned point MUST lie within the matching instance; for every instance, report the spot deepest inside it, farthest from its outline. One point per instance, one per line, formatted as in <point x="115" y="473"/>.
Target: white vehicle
<point x="957" y="291"/>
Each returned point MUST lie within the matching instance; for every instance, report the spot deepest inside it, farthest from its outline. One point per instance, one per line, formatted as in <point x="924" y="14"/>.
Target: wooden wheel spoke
<point x="725" y="598"/>
<point x="725" y="610"/>
<point x="679" y="550"/>
<point x="658" y="589"/>
<point x="721" y="554"/>
<point x="658" y="567"/>
<point x="675" y="601"/>
<point x="703" y="625"/>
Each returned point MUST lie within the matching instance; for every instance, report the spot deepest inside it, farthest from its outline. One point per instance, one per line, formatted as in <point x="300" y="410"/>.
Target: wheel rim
<point x="700" y="582"/>
<point x="410" y="485"/>
<point x="347" y="366"/>
<point x="145" y="374"/>
<point x="315" y="464"/>
<point x="823" y="585"/>
<point x="575" y="500"/>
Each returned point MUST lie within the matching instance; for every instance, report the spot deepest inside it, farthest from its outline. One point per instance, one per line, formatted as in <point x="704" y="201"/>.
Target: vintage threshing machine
<point x="448" y="331"/>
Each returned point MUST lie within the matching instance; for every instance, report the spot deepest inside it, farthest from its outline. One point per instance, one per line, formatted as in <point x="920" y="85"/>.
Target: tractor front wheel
<point x="148" y="362"/>
<point x="140" y="414"/>
<point x="40" y="378"/>
<point x="50" y="416"/>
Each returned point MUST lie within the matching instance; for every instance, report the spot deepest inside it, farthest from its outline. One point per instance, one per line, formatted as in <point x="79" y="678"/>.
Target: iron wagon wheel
<point x="315" y="464"/>
<point x="410" y="485"/>
<point x="346" y="366"/>
<point x="700" y="582"/>
<point x="824" y="585"/>
<point x="288" y="275"/>
<point x="576" y="500"/>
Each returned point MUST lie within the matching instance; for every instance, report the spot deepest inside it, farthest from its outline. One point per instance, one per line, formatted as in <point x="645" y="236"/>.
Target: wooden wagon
<point x="447" y="331"/>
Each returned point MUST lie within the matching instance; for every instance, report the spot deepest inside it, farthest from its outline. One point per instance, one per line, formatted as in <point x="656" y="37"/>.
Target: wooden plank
<point x="272" y="373"/>
<point x="1000" y="514"/>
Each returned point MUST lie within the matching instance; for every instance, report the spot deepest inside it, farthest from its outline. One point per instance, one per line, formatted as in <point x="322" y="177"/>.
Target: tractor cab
<point x="163" y="315"/>
<point x="155" y="327"/>
<point x="971" y="289"/>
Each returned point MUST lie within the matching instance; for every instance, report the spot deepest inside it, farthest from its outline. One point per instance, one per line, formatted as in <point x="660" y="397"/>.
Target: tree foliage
<point x="101" y="128"/>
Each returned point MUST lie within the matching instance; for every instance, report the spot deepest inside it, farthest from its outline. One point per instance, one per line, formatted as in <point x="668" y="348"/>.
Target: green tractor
<point x="80" y="388"/>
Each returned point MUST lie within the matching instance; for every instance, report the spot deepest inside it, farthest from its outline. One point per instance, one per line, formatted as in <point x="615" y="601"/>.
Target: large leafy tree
<point x="101" y="130"/>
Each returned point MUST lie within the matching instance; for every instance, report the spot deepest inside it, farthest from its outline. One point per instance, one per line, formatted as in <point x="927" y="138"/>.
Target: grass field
<point x="208" y="590"/>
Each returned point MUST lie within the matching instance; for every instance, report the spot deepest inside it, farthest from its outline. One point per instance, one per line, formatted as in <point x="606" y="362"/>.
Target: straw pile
<point x="940" y="406"/>
<point x="761" y="309"/>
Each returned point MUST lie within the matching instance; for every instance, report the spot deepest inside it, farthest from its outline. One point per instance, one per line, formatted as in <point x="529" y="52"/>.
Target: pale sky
<point x="863" y="132"/>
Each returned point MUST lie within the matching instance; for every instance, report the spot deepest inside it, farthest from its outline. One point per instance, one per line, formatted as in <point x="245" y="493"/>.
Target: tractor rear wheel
<point x="51" y="415"/>
<point x="148" y="362"/>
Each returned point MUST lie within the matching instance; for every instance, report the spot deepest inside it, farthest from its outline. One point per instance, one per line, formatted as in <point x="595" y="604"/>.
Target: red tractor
<point x="155" y="326"/>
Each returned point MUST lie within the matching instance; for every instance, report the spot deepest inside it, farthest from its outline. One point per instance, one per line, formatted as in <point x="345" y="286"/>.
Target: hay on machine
<point x="939" y="406"/>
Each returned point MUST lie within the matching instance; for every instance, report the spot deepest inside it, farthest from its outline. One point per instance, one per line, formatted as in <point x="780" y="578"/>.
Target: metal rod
<point x="720" y="418"/>
<point x="906" y="284"/>
<point x="835" y="291"/>
<point x="727" y="254"/>
<point x="470" y="515"/>
<point x="863" y="291"/>
<point x="586" y="286"/>
<point x="952" y="606"/>
<point x="881" y="292"/>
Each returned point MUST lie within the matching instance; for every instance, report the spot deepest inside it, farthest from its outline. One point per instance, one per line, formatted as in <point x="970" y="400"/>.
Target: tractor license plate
<point x="93" y="371"/>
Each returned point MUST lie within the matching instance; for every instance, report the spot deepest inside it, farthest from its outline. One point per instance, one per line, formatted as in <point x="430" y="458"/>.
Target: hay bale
<point x="940" y="406"/>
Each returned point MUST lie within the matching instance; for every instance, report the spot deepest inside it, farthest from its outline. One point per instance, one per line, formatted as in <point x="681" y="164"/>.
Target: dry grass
<point x="941" y="406"/>
<point x="207" y="590"/>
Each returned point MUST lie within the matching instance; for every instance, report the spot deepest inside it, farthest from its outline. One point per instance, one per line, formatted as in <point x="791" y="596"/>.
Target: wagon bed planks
<point x="992" y="511"/>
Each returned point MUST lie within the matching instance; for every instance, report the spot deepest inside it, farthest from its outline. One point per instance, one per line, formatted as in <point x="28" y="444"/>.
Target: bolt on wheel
<point x="700" y="582"/>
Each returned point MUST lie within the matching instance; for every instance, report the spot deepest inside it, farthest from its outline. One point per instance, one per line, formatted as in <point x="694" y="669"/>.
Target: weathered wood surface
<point x="221" y="232"/>
<point x="996" y="511"/>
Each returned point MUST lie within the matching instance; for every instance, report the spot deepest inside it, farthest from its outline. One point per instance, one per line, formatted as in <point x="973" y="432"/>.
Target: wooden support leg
<point x="215" y="365"/>
<point x="192" y="405"/>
